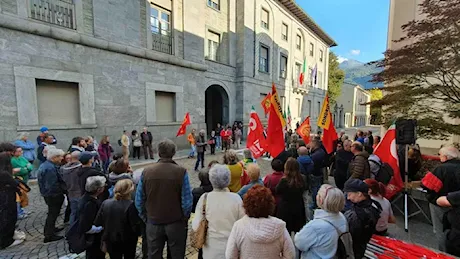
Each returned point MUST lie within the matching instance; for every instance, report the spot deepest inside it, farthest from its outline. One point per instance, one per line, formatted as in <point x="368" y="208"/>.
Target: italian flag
<point x="303" y="72"/>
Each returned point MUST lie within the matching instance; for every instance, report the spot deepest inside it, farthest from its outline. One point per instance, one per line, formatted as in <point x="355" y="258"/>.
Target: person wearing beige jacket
<point x="125" y="145"/>
<point x="258" y="235"/>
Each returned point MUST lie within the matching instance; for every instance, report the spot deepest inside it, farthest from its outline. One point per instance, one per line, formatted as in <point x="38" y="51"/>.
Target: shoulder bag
<point x="199" y="236"/>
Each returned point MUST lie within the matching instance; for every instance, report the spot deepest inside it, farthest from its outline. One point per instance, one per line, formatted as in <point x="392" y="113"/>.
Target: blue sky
<point x="358" y="26"/>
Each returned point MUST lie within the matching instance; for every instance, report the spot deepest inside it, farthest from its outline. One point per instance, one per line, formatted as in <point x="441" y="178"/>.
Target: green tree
<point x="422" y="78"/>
<point x="376" y="109"/>
<point x="336" y="78"/>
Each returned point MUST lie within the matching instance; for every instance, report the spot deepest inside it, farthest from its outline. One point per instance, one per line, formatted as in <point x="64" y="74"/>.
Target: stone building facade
<point x="98" y="67"/>
<point x="351" y="109"/>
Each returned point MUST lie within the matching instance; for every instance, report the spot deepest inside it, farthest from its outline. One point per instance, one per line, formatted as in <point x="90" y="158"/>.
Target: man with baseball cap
<point x="87" y="170"/>
<point x="43" y="131"/>
<point x="362" y="216"/>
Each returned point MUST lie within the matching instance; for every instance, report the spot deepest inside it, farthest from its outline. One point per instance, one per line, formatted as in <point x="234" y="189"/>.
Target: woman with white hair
<point x="221" y="208"/>
<point x="27" y="146"/>
<point x="319" y="237"/>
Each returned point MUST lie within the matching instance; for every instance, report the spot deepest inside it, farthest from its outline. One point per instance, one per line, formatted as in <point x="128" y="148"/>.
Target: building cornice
<point x="295" y="9"/>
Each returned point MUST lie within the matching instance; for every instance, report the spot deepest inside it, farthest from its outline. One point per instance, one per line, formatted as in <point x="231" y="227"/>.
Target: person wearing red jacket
<point x="226" y="135"/>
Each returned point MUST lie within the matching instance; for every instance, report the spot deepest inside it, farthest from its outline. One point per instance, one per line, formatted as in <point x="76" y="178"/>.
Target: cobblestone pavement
<point x="34" y="247"/>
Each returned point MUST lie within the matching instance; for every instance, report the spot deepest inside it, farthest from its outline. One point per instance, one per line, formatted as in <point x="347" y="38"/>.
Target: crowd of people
<point x="292" y="212"/>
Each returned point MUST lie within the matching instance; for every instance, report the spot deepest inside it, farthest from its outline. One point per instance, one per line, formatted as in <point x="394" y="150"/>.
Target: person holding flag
<point x="256" y="140"/>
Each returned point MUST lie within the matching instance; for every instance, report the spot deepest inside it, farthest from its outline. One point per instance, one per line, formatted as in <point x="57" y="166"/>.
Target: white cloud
<point x="355" y="52"/>
<point x="341" y="59"/>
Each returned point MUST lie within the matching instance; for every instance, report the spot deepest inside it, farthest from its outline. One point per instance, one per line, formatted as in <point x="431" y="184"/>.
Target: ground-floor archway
<point x="216" y="107"/>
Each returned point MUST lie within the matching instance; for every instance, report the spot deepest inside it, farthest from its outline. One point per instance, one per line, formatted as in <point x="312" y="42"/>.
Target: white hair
<point x="52" y="152"/>
<point x="219" y="176"/>
<point x="450" y="152"/>
<point x="22" y="135"/>
<point x="94" y="182"/>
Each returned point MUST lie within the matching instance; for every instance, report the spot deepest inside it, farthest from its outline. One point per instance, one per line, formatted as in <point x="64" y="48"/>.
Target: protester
<point x="212" y="142"/>
<point x="200" y="143"/>
<point x="319" y="237"/>
<point x="370" y="138"/>
<point x="291" y="187"/>
<point x="191" y="138"/>
<point x="105" y="151"/>
<point x="294" y="142"/>
<point x="67" y="158"/>
<point x="287" y="138"/>
<point x="234" y="127"/>
<point x="205" y="184"/>
<point x="444" y="179"/>
<point x="27" y="146"/>
<point x="52" y="189"/>
<point x="377" y="193"/>
<point x="318" y="155"/>
<point x="248" y="159"/>
<point x="226" y="135"/>
<point x="451" y="224"/>
<point x="253" y="171"/>
<point x="121" y="170"/>
<point x="223" y="209"/>
<point x="78" y="144"/>
<point x="47" y="140"/>
<point x="376" y="141"/>
<point x="87" y="212"/>
<point x="70" y="176"/>
<point x="42" y="135"/>
<point x="87" y="159"/>
<point x="343" y="158"/>
<point x="359" y="167"/>
<point x="147" y="141"/>
<point x="120" y="221"/>
<point x="137" y="144"/>
<point x="258" y="235"/>
<point x="90" y="147"/>
<point x="125" y="143"/>
<point x="219" y="129"/>
<point x="165" y="185"/>
<point x="375" y="164"/>
<point x="305" y="161"/>
<point x="236" y="170"/>
<point x="21" y="167"/>
<point x="8" y="206"/>
<point x="363" y="215"/>
<point x="360" y="137"/>
<point x="238" y="135"/>
<point x="272" y="180"/>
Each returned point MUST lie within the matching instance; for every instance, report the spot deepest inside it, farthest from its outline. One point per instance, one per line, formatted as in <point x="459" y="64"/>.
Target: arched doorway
<point x="216" y="107"/>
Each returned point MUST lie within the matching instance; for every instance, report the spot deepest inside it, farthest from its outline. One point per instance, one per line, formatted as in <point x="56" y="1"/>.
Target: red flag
<point x="183" y="126"/>
<point x="386" y="151"/>
<point x="304" y="130"/>
<point x="276" y="124"/>
<point x="329" y="136"/>
<point x="256" y="139"/>
<point x="266" y="103"/>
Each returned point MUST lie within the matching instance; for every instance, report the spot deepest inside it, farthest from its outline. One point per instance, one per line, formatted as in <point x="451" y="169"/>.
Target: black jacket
<point x="318" y="156"/>
<point x="342" y="160"/>
<point x="87" y="212"/>
<point x="452" y="225"/>
<point x="449" y="174"/>
<point x="8" y="209"/>
<point x="197" y="192"/>
<point x="120" y="220"/>
<point x="362" y="218"/>
<point x="40" y="155"/>
<point x="86" y="172"/>
<point x="146" y="138"/>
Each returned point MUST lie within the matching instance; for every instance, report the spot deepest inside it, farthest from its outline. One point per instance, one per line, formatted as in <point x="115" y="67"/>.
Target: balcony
<point x="56" y="12"/>
<point x="162" y="43"/>
<point x="301" y="89"/>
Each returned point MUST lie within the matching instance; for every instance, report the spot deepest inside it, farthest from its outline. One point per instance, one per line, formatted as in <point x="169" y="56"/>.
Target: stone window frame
<point x="26" y="96"/>
<point x="150" y="109"/>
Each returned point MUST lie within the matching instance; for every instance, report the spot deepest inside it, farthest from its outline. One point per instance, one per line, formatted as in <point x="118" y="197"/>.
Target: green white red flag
<point x="303" y="73"/>
<point x="256" y="140"/>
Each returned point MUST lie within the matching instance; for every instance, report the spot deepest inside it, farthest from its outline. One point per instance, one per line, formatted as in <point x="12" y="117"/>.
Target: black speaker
<point x="406" y="131"/>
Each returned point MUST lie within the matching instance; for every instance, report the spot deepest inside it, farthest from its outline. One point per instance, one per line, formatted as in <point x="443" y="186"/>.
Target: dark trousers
<point x="68" y="211"/>
<point x="213" y="149"/>
<point x="94" y="250"/>
<point x="148" y="150"/>
<point x="199" y="158"/>
<point x="145" y="249"/>
<point x="316" y="182"/>
<point x="175" y="234"/>
<point x="340" y="179"/>
<point x="54" y="207"/>
<point x="120" y="250"/>
<point x="136" y="152"/>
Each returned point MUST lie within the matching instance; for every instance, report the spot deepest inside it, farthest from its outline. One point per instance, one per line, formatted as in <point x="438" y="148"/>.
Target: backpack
<point x="344" y="244"/>
<point x="119" y="142"/>
<point x="385" y="172"/>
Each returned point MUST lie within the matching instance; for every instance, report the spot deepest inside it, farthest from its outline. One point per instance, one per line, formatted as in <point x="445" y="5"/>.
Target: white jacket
<point x="259" y="238"/>
<point x="223" y="209"/>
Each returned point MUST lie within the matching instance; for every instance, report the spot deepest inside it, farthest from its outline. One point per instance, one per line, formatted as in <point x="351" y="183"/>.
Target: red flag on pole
<point x="266" y="102"/>
<point x="304" y="130"/>
<point x="386" y="151"/>
<point x="256" y="139"/>
<point x="329" y="137"/>
<point x="276" y="124"/>
<point x="183" y="126"/>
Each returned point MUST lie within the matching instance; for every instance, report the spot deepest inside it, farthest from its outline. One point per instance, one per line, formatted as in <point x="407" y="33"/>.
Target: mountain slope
<point x="359" y="73"/>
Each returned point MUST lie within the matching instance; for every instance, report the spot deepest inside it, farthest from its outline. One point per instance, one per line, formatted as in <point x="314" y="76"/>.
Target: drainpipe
<point x="255" y="38"/>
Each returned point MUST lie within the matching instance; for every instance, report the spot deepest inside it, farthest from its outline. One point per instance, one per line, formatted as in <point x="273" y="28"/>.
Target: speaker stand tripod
<point x="407" y="195"/>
